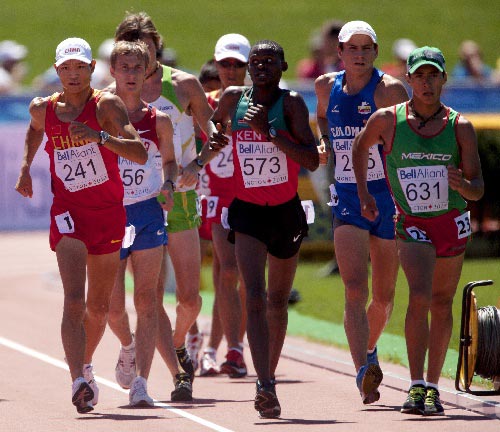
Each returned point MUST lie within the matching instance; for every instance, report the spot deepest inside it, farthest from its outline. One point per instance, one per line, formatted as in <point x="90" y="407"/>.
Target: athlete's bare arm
<point x="378" y="130"/>
<point x="124" y="141"/>
<point x="323" y="87"/>
<point x="34" y="137"/>
<point x="222" y="116"/>
<point x="467" y="179"/>
<point x="165" y="131"/>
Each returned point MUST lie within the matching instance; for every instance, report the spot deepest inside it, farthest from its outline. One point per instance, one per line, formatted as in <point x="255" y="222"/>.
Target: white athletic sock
<point x="432" y="385"/>
<point x="418" y="382"/>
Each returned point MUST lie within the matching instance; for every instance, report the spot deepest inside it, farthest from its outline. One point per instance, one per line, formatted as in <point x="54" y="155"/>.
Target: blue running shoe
<point x="372" y="358"/>
<point x="368" y="380"/>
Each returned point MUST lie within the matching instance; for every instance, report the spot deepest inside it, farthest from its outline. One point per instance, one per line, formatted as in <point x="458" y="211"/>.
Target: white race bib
<point x="65" y="223"/>
<point x="344" y="172"/>
<point x="463" y="225"/>
<point x="222" y="164"/>
<point x="80" y="167"/>
<point x="308" y="207"/>
<point x="212" y="202"/>
<point x="129" y="237"/>
<point x="262" y="163"/>
<point x="425" y="187"/>
<point x="223" y="218"/>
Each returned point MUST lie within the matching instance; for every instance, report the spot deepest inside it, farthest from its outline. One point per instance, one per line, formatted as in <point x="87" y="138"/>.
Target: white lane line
<point x="62" y="365"/>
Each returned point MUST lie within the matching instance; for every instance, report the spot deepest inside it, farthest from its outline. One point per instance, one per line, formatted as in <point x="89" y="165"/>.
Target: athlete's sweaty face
<point x="265" y="66"/>
<point x="358" y="53"/>
<point x="75" y="75"/>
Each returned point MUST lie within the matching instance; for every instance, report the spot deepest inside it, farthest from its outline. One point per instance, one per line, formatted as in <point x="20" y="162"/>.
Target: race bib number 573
<point x="262" y="164"/>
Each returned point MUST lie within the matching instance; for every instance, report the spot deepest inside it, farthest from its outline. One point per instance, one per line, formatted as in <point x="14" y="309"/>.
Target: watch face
<point x="272" y="132"/>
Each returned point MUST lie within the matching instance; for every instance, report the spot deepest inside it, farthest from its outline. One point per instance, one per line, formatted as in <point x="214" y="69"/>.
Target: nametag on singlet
<point x="262" y="163"/>
<point x="425" y="187"/>
<point x="80" y="167"/>
<point x="222" y="164"/>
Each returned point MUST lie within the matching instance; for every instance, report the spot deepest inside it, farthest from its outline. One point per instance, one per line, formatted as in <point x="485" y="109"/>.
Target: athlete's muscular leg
<point x="280" y="279"/>
<point x="228" y="299"/>
<point x="101" y="271"/>
<point x="184" y="250"/>
<point x="385" y="263"/>
<point x="251" y="255"/>
<point x="118" y="319"/>
<point x="146" y="264"/>
<point x="351" y="248"/>
<point x="444" y="286"/>
<point x="72" y="259"/>
<point x="418" y="262"/>
<point x="164" y="342"/>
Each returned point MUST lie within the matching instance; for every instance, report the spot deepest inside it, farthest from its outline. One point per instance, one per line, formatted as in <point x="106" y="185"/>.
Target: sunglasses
<point x="226" y="64"/>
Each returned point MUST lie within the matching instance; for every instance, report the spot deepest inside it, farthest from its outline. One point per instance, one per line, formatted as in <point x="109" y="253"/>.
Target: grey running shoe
<point x="81" y="396"/>
<point x="88" y="374"/>
<point x="125" y="370"/>
<point x="138" y="395"/>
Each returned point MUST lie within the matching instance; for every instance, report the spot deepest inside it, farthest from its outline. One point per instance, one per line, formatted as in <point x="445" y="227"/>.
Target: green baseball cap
<point x="425" y="55"/>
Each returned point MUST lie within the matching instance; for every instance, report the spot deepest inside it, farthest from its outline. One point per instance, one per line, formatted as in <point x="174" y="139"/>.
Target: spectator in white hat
<point x="401" y="49"/>
<point x="12" y="66"/>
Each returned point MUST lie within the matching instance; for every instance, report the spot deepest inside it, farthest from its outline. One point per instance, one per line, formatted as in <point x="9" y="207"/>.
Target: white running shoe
<point x="138" y="395"/>
<point x="193" y="346"/>
<point x="88" y="374"/>
<point x="208" y="364"/>
<point x="81" y="395"/>
<point x="125" y="371"/>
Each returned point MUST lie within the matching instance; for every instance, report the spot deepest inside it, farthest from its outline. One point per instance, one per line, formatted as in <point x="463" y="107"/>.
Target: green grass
<point x="193" y="27"/>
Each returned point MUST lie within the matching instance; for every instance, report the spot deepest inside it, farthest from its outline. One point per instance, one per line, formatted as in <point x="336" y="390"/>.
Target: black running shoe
<point x="183" y="389"/>
<point x="414" y="403"/>
<point x="185" y="361"/>
<point x="266" y="402"/>
<point x="432" y="403"/>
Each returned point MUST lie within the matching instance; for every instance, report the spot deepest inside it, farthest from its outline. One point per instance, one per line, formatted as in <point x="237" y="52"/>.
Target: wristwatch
<point x="271" y="133"/>
<point x="104" y="136"/>
<point x="171" y="183"/>
<point x="199" y="162"/>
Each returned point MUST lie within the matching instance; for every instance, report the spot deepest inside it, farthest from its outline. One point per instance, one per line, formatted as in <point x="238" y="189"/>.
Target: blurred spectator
<point x="169" y="57"/>
<point x="209" y="76"/>
<point x="101" y="77"/>
<point x="495" y="75"/>
<point x="401" y="49"/>
<point x="324" y="57"/>
<point x="471" y="65"/>
<point x="13" y="69"/>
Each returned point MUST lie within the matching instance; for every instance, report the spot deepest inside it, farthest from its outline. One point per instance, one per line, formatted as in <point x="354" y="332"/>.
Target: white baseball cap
<point x="11" y="50"/>
<point x="232" y="45"/>
<point x="356" y="27"/>
<point x="73" y="49"/>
